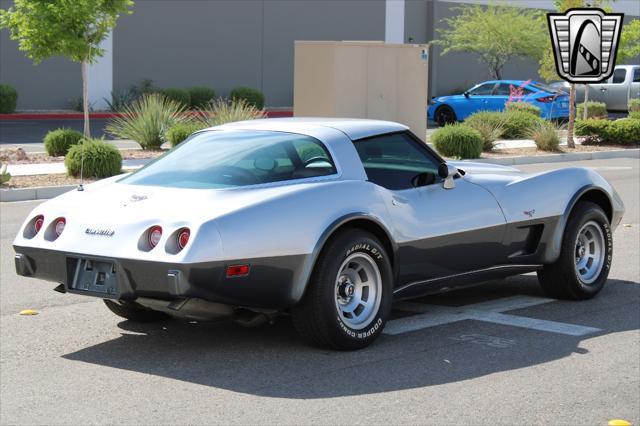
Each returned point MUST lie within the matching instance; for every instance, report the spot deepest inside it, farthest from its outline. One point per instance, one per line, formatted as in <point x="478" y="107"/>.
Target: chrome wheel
<point x="358" y="290"/>
<point x="589" y="252"/>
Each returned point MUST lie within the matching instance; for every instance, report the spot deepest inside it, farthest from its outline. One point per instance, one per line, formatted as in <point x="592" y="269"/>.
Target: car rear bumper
<point x="272" y="282"/>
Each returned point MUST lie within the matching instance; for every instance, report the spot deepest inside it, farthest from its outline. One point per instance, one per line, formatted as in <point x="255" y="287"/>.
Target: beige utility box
<point x="362" y="80"/>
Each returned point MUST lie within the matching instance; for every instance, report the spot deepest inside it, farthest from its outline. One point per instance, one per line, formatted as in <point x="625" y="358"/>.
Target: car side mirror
<point x="466" y="94"/>
<point x="448" y="173"/>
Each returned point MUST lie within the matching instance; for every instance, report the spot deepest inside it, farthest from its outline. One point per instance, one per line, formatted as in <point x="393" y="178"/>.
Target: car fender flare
<point x="311" y="259"/>
<point x="555" y="243"/>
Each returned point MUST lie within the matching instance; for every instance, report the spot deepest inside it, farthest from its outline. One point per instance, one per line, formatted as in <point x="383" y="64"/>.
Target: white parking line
<point x="490" y="311"/>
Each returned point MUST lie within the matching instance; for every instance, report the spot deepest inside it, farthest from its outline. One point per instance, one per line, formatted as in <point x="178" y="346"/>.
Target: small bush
<point x="591" y="127"/>
<point x="523" y="106"/>
<point x="251" y="96"/>
<point x="221" y="111"/>
<point x="545" y="135"/>
<point x="489" y="125"/>
<point x="147" y="120"/>
<point x="518" y="124"/>
<point x="458" y="141"/>
<point x="594" y="110"/>
<point x="8" y="99"/>
<point x="200" y="96"/>
<point x="101" y="159"/>
<point x="182" y="131"/>
<point x="178" y="95"/>
<point x="57" y="142"/>
<point x="624" y="131"/>
<point x="634" y="108"/>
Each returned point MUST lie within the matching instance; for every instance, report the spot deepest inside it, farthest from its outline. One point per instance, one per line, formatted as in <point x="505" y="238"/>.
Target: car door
<point x="477" y="99"/>
<point x="616" y="92"/>
<point x="440" y="232"/>
<point x="634" y="92"/>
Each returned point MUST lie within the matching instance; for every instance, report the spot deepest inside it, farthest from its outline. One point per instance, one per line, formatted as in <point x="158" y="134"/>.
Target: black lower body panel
<point x="271" y="283"/>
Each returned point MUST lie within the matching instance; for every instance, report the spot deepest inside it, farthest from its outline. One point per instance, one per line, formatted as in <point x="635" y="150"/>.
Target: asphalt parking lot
<point x="496" y="354"/>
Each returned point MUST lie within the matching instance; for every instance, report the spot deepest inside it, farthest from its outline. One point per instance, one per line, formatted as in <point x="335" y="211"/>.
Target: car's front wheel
<point x="585" y="257"/>
<point x="348" y="298"/>
<point x="444" y="115"/>
<point x="134" y="311"/>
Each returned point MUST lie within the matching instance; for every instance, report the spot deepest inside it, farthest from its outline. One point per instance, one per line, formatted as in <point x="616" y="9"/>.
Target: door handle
<point x="604" y="89"/>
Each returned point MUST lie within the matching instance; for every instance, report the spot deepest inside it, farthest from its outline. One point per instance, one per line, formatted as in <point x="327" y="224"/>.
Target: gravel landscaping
<point x="12" y="156"/>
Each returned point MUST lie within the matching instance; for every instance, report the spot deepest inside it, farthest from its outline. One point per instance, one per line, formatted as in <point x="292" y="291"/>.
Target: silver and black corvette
<point x="329" y="220"/>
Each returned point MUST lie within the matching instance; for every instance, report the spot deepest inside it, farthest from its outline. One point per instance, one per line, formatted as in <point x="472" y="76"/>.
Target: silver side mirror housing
<point x="448" y="173"/>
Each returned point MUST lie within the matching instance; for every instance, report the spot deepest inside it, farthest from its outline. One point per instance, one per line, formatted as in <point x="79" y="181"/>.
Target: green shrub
<point x="634" y="108"/>
<point x="101" y="159"/>
<point x="545" y="135"/>
<point x="624" y="131"/>
<point x="252" y="96"/>
<point x="8" y="99"/>
<point x="489" y="125"/>
<point x="57" y="142"/>
<point x="182" y="131"/>
<point x="178" y="95"/>
<point x="518" y="124"/>
<point x="458" y="141"/>
<point x="147" y="120"/>
<point x="200" y="96"/>
<point x="594" y="110"/>
<point x="222" y="111"/>
<point x="523" y="106"/>
<point x="591" y="127"/>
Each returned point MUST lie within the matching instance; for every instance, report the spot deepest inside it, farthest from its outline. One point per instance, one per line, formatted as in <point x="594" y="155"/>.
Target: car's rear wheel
<point x="348" y="298"/>
<point x="585" y="257"/>
<point x="134" y="311"/>
<point x="444" y="115"/>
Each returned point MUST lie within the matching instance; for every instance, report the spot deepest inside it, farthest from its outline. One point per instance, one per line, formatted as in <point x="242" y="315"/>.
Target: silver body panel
<point x="426" y="226"/>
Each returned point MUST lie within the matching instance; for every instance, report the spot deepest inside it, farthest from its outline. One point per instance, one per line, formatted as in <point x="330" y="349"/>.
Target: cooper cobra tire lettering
<point x="318" y="317"/>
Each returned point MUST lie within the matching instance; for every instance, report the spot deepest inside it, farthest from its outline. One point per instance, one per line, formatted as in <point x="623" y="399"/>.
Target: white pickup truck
<point x="623" y="85"/>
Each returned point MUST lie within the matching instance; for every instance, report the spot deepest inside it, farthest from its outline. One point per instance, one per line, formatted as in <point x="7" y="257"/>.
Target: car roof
<point x="354" y="128"/>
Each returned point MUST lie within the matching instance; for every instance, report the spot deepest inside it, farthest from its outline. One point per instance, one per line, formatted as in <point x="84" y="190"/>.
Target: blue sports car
<point x="493" y="95"/>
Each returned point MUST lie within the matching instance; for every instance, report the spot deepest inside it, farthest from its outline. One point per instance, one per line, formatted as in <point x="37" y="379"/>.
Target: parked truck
<point x="615" y="92"/>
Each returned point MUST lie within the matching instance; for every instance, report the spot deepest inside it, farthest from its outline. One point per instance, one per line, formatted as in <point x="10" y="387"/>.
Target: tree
<point x="629" y="47"/>
<point x="496" y="33"/>
<point x="70" y="28"/>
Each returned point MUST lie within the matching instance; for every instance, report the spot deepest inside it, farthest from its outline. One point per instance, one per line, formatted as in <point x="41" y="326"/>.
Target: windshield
<point x="226" y="159"/>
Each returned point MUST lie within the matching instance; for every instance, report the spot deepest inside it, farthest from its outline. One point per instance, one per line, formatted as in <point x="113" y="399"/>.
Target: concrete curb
<point x="46" y="192"/>
<point x="559" y="158"/>
<point x="36" y="193"/>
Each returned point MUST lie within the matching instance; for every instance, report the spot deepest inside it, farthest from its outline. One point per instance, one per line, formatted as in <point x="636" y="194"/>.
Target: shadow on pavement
<point x="272" y="361"/>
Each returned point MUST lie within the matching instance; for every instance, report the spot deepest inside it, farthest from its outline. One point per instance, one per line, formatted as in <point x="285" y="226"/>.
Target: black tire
<point x="560" y="279"/>
<point x="444" y="115"/>
<point x="317" y="317"/>
<point x="134" y="311"/>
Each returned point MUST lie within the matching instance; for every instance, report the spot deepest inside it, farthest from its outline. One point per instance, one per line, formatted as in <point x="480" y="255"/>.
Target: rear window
<point x="227" y="159"/>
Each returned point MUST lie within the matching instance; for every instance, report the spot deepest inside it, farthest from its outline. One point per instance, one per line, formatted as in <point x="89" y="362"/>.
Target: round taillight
<point x="60" y="223"/>
<point x="155" y="233"/>
<point x="183" y="237"/>
<point x="37" y="224"/>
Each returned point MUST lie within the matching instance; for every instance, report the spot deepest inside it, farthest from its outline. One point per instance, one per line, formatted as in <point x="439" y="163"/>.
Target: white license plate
<point x="564" y="105"/>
